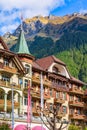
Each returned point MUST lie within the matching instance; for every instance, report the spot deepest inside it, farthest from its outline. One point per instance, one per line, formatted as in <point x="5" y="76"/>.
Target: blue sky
<point x="10" y="10"/>
<point x="70" y="7"/>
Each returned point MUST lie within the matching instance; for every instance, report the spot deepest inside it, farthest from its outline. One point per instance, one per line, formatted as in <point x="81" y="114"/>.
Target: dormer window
<point x="27" y="68"/>
<point x="55" y="69"/>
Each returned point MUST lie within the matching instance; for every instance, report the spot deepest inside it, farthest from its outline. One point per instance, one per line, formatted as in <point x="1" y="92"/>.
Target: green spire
<point x="21" y="46"/>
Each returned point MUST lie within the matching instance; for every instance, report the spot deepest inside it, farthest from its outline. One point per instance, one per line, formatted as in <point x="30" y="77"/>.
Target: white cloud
<point x="83" y="11"/>
<point x="11" y="27"/>
<point x="11" y="9"/>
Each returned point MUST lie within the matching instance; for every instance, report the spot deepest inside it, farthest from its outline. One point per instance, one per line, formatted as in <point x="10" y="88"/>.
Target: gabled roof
<point x="47" y="61"/>
<point x="73" y="79"/>
<point x="3" y="43"/>
<point x="21" y="46"/>
<point x="36" y="66"/>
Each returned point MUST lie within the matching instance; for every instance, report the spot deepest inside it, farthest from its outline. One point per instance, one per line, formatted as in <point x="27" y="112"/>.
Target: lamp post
<point x="29" y="109"/>
<point x="13" y="84"/>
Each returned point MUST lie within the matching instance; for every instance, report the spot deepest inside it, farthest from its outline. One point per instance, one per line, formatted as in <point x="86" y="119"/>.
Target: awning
<point x="24" y="127"/>
<point x="38" y="128"/>
<point x="20" y="127"/>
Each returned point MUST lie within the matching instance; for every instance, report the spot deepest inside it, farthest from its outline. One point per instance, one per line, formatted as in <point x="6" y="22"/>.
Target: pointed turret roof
<point x="21" y="46"/>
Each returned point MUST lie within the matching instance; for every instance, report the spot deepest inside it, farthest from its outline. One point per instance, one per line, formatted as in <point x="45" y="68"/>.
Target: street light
<point x="13" y="84"/>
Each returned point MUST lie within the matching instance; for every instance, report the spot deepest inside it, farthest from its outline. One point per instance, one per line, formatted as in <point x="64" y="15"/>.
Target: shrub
<point x="73" y="127"/>
<point x="4" y="126"/>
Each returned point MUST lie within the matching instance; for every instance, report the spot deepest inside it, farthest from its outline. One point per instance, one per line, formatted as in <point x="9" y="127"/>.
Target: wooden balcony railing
<point x="36" y="79"/>
<point x="85" y="118"/>
<point x="7" y="69"/>
<point x="1" y="103"/>
<point x="59" y="100"/>
<point x="76" y="103"/>
<point x="9" y="85"/>
<point x="77" y="116"/>
<point x="34" y="111"/>
<point x="35" y="94"/>
<point x="9" y="104"/>
<point x="75" y="90"/>
<point x="85" y="105"/>
<point x="46" y="96"/>
<point x="45" y="81"/>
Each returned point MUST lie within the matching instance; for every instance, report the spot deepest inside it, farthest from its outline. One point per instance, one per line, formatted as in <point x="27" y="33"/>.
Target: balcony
<point x="7" y="69"/>
<point x="85" y="105"/>
<point x="75" y="90"/>
<point x="8" y="85"/>
<point x="1" y="103"/>
<point x="9" y="104"/>
<point x="59" y="100"/>
<point x="85" y="118"/>
<point x="16" y="104"/>
<point x="35" y="94"/>
<point x="34" y="111"/>
<point x="46" y="83"/>
<point x="46" y="96"/>
<point x="76" y="116"/>
<point x="76" y="104"/>
<point x="36" y="79"/>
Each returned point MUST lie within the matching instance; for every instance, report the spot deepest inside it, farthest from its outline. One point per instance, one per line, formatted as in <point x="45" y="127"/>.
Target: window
<point x="55" y="69"/>
<point x="27" y="68"/>
<point x="6" y="78"/>
<point x="20" y="81"/>
<point x="64" y="96"/>
<point x="51" y="107"/>
<point x="71" y="98"/>
<point x="26" y="83"/>
<point x="32" y="104"/>
<point x="71" y="111"/>
<point x="79" y="112"/>
<point x="64" y="109"/>
<point x="1" y="94"/>
<point x="57" y="95"/>
<point x="79" y="99"/>
<point x="6" y="62"/>
<point x="25" y="100"/>
<point x="50" y="92"/>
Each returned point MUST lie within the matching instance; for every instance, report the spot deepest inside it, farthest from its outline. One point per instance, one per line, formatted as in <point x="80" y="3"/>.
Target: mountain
<point x="65" y="37"/>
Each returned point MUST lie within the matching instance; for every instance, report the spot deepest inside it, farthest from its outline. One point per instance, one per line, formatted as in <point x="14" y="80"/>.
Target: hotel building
<point x="19" y="69"/>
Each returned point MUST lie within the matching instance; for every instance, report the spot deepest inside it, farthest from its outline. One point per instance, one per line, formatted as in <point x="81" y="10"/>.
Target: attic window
<point x="27" y="68"/>
<point x="55" y="69"/>
<point x="6" y="62"/>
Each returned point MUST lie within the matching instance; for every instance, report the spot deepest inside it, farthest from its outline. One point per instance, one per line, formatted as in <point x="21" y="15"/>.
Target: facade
<point x="19" y="69"/>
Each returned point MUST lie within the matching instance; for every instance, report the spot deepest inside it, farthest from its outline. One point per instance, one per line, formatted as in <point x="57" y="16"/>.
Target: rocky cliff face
<point x="52" y="26"/>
